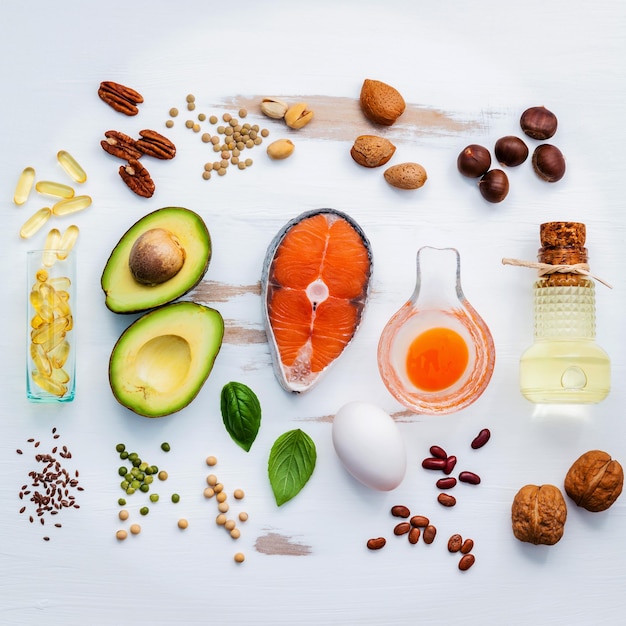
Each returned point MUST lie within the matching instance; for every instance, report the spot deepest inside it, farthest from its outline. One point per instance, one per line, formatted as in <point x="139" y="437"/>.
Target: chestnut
<point x="474" y="161"/>
<point x="548" y="162"/>
<point x="494" y="186"/>
<point x="538" y="123"/>
<point x="511" y="151"/>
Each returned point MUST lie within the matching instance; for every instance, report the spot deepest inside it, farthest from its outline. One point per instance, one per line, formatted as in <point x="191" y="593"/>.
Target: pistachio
<point x="298" y="115"/>
<point x="274" y="108"/>
<point x="280" y="149"/>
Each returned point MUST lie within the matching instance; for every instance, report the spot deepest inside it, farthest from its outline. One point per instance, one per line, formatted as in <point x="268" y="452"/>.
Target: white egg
<point x="369" y="444"/>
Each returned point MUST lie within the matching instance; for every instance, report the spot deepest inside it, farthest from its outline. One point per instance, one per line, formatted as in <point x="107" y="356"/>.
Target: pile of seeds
<point x="228" y="138"/>
<point x="215" y="489"/>
<point x="441" y="461"/>
<point x="52" y="486"/>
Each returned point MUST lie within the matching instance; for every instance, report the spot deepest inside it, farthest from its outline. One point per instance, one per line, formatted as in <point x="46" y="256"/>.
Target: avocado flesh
<point x="124" y="294"/>
<point x="162" y="360"/>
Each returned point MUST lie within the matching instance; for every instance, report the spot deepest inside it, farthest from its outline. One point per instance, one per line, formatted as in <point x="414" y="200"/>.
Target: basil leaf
<point x="291" y="463"/>
<point x="241" y="412"/>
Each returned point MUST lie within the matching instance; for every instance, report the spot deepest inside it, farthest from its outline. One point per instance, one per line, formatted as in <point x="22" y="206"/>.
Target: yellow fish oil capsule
<point x="71" y="166"/>
<point x="41" y="361"/>
<point x="35" y="222"/>
<point x="24" y="185"/>
<point x="67" y="241"/>
<point x="71" y="205"/>
<point x="50" y="246"/>
<point x="49" y="385"/>
<point x="50" y="188"/>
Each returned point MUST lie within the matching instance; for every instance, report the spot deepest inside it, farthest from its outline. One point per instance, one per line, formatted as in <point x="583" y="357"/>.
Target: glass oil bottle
<point x="564" y="365"/>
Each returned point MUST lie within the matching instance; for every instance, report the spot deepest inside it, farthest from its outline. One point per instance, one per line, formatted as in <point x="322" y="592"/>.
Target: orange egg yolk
<point x="436" y="359"/>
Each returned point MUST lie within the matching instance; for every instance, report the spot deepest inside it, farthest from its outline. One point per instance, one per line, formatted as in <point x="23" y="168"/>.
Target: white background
<point x="477" y="65"/>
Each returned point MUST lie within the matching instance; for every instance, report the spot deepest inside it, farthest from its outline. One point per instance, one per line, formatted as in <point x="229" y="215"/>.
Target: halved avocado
<point x="125" y="294"/>
<point x="161" y="361"/>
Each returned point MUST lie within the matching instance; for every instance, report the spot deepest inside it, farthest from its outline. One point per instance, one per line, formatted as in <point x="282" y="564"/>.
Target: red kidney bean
<point x="481" y="439"/>
<point x="419" y="521"/>
<point x="449" y="465"/>
<point x="454" y="543"/>
<point x="433" y="463"/>
<point x="467" y="560"/>
<point x="400" y="511"/>
<point x="467" y="546"/>
<point x="446" y="483"/>
<point x="438" y="452"/>
<point x="376" y="543"/>
<point x="429" y="534"/>
<point x="402" y="528"/>
<point x="446" y="499"/>
<point x="414" y="535"/>
<point x="469" y="477"/>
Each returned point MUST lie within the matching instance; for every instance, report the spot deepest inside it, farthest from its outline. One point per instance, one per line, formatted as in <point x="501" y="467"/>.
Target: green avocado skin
<point x="123" y="294"/>
<point x="162" y="360"/>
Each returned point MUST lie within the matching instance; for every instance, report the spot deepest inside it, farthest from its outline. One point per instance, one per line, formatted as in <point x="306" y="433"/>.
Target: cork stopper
<point x="563" y="243"/>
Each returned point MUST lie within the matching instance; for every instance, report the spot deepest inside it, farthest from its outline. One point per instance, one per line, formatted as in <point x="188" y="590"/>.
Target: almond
<point x="406" y="175"/>
<point x="372" y="151"/>
<point x="381" y="103"/>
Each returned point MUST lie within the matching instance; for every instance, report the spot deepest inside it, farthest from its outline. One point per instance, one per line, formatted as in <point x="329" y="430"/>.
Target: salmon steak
<point x="314" y="288"/>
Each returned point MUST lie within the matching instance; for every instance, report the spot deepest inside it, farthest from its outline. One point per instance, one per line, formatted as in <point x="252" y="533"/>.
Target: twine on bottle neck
<point x="544" y="269"/>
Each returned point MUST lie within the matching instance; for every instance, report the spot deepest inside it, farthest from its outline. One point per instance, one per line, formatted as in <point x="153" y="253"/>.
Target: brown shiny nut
<point x="419" y="521"/>
<point x="467" y="547"/>
<point x="446" y="499"/>
<point x="454" y="543"/>
<point x="429" y="534"/>
<point x="120" y="145"/>
<point x="450" y="465"/>
<point x="402" y="528"/>
<point x="381" y="103"/>
<point x="470" y="478"/>
<point x="400" y="510"/>
<point x="121" y="98"/>
<point x="538" y="514"/>
<point x="594" y="481"/>
<point x="549" y="163"/>
<point x="406" y="176"/>
<point x="481" y="439"/>
<point x="155" y="145"/>
<point x="446" y="483"/>
<point x="372" y="151"/>
<point x="467" y="560"/>
<point x="414" y="535"/>
<point x="376" y="543"/>
<point x="137" y="178"/>
<point x="433" y="463"/>
<point x="298" y="115"/>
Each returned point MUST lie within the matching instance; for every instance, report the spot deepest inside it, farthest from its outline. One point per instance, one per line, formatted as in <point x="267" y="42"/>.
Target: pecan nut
<point x="137" y="178"/>
<point x="121" y="98"/>
<point x="155" y="145"/>
<point x="120" y="145"/>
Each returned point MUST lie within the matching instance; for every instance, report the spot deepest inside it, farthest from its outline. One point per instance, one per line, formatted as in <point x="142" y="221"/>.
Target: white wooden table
<point x="467" y="71"/>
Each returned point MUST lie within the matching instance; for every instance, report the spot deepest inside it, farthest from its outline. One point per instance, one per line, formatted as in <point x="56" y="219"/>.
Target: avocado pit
<point x="156" y="257"/>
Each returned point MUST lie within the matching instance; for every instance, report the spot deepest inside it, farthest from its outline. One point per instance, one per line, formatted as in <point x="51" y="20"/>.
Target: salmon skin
<point x="314" y="287"/>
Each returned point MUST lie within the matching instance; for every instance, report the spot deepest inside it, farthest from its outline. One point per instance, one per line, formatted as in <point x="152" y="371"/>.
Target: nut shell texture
<point x="595" y="481"/>
<point x="538" y="514"/>
<point x="406" y="175"/>
<point x="372" y="151"/>
<point x="381" y="103"/>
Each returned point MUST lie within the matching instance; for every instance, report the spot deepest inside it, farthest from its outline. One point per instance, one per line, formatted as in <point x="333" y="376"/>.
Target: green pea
<point x="143" y="466"/>
<point x="123" y="455"/>
<point x="154" y="497"/>
<point x="148" y="470"/>
<point x="120" y="447"/>
<point x="132" y="456"/>
<point x="130" y="491"/>
<point x="122" y="502"/>
<point x="135" y="484"/>
<point x="148" y="480"/>
<point x="165" y="446"/>
<point x="144" y="510"/>
<point x="175" y="498"/>
<point x="144" y="488"/>
<point x="124" y="484"/>
<point x="122" y="471"/>
<point x="136" y="462"/>
<point x="155" y="469"/>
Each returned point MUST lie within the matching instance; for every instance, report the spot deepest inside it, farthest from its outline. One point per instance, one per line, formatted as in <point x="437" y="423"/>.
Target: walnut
<point x="538" y="514"/>
<point x="594" y="481"/>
